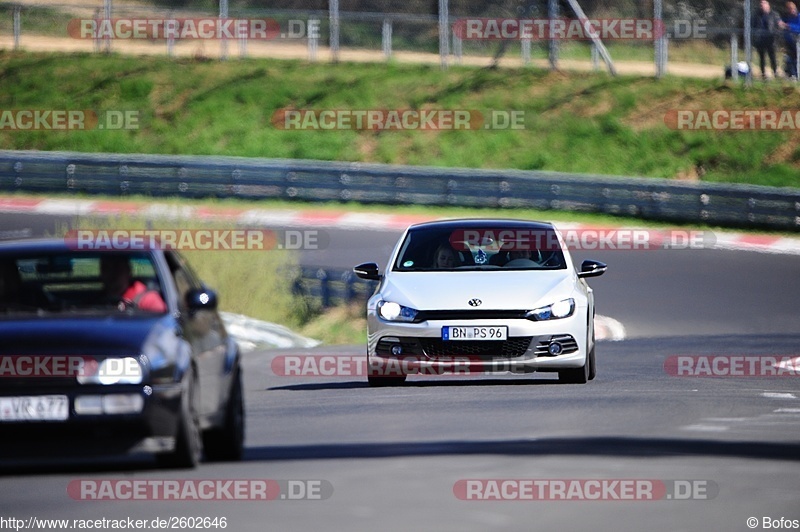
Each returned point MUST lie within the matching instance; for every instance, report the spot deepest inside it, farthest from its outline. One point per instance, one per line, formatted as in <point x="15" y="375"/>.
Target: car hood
<point x="497" y="290"/>
<point x="95" y="335"/>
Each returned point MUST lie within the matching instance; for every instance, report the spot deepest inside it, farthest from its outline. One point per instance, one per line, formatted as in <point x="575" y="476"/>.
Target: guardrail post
<point x="324" y="288"/>
<point x="349" y="286"/>
<point x="595" y="57"/>
<point x="734" y="57"/>
<point x="659" y="40"/>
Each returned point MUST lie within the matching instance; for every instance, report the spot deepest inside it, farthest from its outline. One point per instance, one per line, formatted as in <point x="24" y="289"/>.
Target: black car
<point x="86" y="370"/>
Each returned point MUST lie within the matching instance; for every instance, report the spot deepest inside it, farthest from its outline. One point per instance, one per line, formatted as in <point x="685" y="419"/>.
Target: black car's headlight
<point x="560" y="309"/>
<point x="113" y="371"/>
<point x="391" y="311"/>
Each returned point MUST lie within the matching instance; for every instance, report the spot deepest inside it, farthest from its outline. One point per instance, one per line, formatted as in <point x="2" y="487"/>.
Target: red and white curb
<point x="324" y="219"/>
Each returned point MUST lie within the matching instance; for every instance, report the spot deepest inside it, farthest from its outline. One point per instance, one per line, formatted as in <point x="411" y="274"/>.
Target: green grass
<point x="584" y="123"/>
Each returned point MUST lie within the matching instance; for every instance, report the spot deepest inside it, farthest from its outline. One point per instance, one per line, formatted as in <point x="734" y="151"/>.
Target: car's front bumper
<point x="152" y="429"/>
<point x="526" y="350"/>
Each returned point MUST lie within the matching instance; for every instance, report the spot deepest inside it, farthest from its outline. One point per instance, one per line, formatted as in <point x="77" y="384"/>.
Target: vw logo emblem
<point x="475" y="302"/>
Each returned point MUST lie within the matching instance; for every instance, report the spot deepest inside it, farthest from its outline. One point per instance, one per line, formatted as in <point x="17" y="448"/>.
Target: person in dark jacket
<point x="765" y="26"/>
<point x="791" y="28"/>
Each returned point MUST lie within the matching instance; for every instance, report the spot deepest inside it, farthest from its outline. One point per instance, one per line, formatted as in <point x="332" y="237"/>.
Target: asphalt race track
<point x="704" y="453"/>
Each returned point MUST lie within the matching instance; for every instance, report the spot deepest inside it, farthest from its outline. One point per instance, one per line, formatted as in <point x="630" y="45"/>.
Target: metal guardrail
<point x="729" y="205"/>
<point x="333" y="287"/>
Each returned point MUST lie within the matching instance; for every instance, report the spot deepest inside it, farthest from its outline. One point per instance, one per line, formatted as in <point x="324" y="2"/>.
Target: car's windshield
<point x="489" y="247"/>
<point x="78" y="282"/>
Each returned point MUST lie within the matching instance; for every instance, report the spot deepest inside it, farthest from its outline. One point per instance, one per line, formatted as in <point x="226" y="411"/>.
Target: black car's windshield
<point x="79" y="282"/>
<point x="485" y="248"/>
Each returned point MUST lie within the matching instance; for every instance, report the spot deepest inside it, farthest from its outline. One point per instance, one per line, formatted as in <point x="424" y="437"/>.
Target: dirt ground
<point x="281" y="50"/>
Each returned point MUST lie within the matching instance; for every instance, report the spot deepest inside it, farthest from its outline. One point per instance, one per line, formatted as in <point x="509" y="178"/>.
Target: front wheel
<point x="227" y="442"/>
<point x="188" y="443"/>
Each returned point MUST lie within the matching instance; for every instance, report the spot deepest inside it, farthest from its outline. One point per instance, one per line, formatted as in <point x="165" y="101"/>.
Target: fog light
<point x="115" y="403"/>
<point x="129" y="403"/>
<point x="555" y="348"/>
<point x="397" y="350"/>
<point x="89" y="405"/>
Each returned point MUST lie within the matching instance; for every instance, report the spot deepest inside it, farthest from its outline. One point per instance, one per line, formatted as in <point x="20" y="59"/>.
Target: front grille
<point x="567" y="342"/>
<point x="425" y="315"/>
<point x="511" y="348"/>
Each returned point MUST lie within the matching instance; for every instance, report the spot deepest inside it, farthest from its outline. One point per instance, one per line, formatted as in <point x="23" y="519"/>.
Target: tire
<point x="376" y="380"/>
<point x="381" y="382"/>
<point x="592" y="363"/>
<point x="188" y="443"/>
<point x="227" y="443"/>
<point x="579" y="375"/>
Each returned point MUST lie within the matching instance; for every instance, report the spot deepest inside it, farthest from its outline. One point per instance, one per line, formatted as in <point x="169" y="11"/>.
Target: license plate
<point x="474" y="332"/>
<point x="34" y="408"/>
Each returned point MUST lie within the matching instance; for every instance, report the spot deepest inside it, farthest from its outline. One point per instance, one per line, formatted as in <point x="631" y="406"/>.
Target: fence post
<point x="458" y="48"/>
<point x="552" y="14"/>
<point x="734" y="57"/>
<point x="313" y="39"/>
<point x="333" y="15"/>
<point x="243" y="36"/>
<point x="387" y="38"/>
<point x="526" y="51"/>
<point x="171" y="38"/>
<point x="659" y="40"/>
<point x="16" y="23"/>
<point x="223" y="45"/>
<point x="107" y="15"/>
<point x="444" y="33"/>
<point x="748" y="44"/>
<point x="595" y="57"/>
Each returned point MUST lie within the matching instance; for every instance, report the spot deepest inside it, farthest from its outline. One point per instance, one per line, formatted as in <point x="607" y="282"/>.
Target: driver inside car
<point x="120" y="287"/>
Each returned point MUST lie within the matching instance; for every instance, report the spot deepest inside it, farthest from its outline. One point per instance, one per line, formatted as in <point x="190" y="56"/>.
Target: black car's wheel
<point x="227" y="443"/>
<point x="188" y="443"/>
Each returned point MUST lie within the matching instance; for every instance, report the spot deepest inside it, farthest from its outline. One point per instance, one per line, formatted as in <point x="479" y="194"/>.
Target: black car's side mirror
<point x="592" y="268"/>
<point x="368" y="270"/>
<point x="201" y="299"/>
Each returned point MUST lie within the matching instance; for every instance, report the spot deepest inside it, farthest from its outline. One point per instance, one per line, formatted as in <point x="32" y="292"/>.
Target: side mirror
<point x="592" y="268"/>
<point x="201" y="299"/>
<point x="368" y="270"/>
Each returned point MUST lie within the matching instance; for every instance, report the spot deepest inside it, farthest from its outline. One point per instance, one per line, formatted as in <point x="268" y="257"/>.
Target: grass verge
<point x="576" y="122"/>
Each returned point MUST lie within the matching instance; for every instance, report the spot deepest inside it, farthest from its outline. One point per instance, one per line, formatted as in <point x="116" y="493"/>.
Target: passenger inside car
<point x="120" y="287"/>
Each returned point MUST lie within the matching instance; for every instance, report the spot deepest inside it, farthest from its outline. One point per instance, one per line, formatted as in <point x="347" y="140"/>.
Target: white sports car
<point x="480" y="295"/>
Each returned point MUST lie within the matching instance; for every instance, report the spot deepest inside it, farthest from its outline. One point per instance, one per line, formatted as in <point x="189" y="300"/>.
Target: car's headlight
<point x="561" y="309"/>
<point x="113" y="371"/>
<point x="391" y="311"/>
